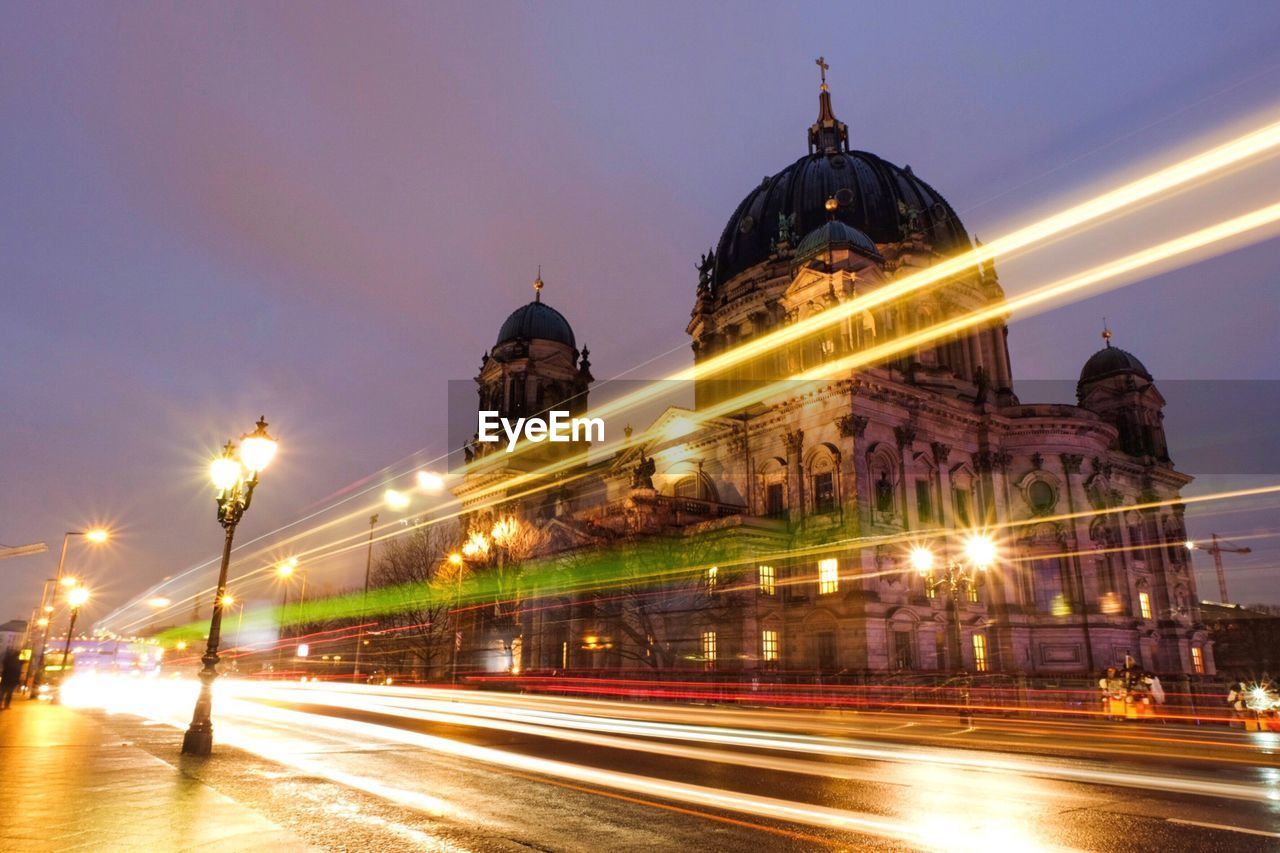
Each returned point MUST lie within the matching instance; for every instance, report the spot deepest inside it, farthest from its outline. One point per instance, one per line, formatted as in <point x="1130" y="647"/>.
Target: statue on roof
<point x="705" y="266"/>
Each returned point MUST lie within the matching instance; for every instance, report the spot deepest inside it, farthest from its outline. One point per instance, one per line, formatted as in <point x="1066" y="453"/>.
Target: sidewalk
<point x="67" y="783"/>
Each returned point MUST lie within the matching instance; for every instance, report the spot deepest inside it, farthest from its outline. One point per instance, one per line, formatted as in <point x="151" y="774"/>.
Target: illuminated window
<point x="980" y="652"/>
<point x="828" y="576"/>
<point x="1197" y="660"/>
<point x="709" y="649"/>
<point x="769" y="646"/>
<point x="768" y="580"/>
<point x="712" y="576"/>
<point x="1144" y="603"/>
<point x="972" y="592"/>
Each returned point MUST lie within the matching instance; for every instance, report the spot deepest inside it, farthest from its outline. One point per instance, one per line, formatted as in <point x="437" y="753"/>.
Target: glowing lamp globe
<point x="225" y="473"/>
<point x="257" y="448"/>
<point x="97" y="535"/>
<point x="922" y="560"/>
<point x="980" y="551"/>
<point x="78" y="596"/>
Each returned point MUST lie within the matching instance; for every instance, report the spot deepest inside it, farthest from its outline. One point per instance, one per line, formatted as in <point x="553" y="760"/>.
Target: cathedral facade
<point x="810" y="494"/>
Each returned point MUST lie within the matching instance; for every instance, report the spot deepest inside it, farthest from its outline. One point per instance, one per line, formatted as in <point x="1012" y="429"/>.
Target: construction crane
<point x="1216" y="549"/>
<point x="7" y="551"/>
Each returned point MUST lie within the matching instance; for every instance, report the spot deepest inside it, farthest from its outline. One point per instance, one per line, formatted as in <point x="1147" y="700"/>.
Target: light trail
<point x="693" y="735"/>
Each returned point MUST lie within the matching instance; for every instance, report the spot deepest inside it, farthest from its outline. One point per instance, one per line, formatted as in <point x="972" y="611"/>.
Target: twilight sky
<point x="322" y="212"/>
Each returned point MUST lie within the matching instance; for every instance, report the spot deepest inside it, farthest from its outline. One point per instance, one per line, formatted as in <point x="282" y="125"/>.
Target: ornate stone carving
<point x="1071" y="462"/>
<point x="642" y="474"/>
<point x="795" y="442"/>
<point x="852" y="426"/>
<point x="786" y="232"/>
<point x="941" y="452"/>
<point x="906" y="435"/>
<point x="1037" y="460"/>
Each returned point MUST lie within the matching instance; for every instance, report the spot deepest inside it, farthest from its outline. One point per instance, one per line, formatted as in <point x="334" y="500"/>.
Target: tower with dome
<point x="818" y="490"/>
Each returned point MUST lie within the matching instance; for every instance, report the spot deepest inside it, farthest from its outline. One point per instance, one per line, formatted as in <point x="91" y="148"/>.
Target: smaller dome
<point x="536" y="320"/>
<point x="835" y="234"/>
<point x="1111" y="361"/>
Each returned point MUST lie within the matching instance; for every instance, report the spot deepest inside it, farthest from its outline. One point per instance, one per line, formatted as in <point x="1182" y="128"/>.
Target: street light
<point x="96" y="535"/>
<point x="364" y="599"/>
<point x="76" y="599"/>
<point x="957" y="576"/>
<point x="286" y="569"/>
<point x="234" y="475"/>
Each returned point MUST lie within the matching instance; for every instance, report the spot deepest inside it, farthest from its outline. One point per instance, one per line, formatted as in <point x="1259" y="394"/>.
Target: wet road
<point x="505" y="771"/>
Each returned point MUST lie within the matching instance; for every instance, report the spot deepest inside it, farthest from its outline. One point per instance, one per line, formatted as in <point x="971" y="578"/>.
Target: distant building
<point x="831" y="483"/>
<point x="12" y="632"/>
<point x="1246" y="642"/>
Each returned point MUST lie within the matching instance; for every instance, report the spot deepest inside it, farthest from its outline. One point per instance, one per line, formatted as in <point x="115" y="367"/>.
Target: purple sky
<point x="322" y="212"/>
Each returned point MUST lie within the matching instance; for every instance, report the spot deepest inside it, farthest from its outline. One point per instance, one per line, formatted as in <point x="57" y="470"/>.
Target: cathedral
<point x="812" y="496"/>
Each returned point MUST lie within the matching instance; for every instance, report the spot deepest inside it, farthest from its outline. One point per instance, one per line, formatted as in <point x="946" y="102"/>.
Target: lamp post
<point x="234" y="474"/>
<point x="957" y="576"/>
<point x="76" y="598"/>
<point x="284" y="571"/>
<point x="96" y="535"/>
<point x="364" y="600"/>
<point x="457" y="562"/>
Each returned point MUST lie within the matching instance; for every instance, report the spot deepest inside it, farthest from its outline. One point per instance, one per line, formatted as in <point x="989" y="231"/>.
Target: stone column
<point x="1086" y="585"/>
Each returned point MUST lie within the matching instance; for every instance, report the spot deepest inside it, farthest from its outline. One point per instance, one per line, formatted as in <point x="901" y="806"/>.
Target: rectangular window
<point x="924" y="506"/>
<point x="826" y="647"/>
<point x="768" y="580"/>
<point x="709" y="649"/>
<point x="980" y="652"/>
<point x="828" y="576"/>
<point x="971" y="592"/>
<point x="824" y="492"/>
<point x="769" y="646"/>
<point x="930" y="588"/>
<point x="1144" y="604"/>
<point x="904" y="651"/>
<point x="960" y="499"/>
<point x="1197" y="660"/>
<point x="712" y="577"/>
<point x="774" y="503"/>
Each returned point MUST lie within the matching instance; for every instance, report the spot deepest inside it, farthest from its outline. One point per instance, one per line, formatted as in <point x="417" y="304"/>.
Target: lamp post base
<point x="198" y="741"/>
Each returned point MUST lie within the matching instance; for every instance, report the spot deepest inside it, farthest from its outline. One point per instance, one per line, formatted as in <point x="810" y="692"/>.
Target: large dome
<point x="868" y="189"/>
<point x="1111" y="361"/>
<point x="536" y="320"/>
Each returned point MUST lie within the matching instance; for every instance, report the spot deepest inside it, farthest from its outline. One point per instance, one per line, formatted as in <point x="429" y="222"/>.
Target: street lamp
<point x="957" y="576"/>
<point x="285" y="569"/>
<point x="76" y="598"/>
<point x="96" y="535"/>
<point x="234" y="475"/>
<point x="368" y="567"/>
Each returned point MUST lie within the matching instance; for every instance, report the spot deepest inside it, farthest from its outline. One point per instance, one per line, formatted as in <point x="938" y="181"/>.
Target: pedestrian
<point x="1113" y="694"/>
<point x="10" y="677"/>
<point x="1235" y="701"/>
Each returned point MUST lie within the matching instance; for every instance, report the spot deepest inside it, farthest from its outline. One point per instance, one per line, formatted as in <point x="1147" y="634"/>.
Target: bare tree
<point x="498" y="559"/>
<point x="649" y="590"/>
<point x="415" y="580"/>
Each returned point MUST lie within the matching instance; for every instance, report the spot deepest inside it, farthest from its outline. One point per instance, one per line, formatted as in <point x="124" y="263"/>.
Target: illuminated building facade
<point x="817" y="491"/>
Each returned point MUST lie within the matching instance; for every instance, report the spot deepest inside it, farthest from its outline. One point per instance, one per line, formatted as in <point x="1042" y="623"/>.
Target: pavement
<point x="71" y="783"/>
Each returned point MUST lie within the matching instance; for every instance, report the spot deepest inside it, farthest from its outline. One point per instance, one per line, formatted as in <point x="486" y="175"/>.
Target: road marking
<point x="1224" y="827"/>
